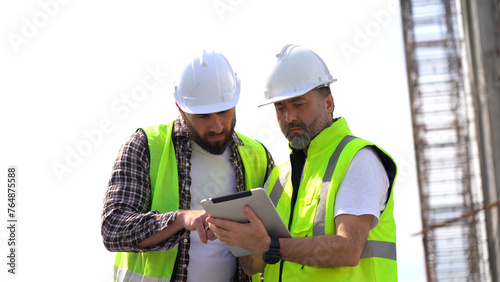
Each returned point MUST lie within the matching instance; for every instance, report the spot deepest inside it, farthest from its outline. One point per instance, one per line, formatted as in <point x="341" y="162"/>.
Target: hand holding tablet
<point x="230" y="207"/>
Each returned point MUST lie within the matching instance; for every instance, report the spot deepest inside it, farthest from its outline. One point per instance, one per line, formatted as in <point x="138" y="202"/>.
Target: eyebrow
<point x="296" y="99"/>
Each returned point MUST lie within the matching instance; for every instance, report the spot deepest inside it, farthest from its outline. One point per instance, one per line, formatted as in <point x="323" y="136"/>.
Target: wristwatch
<point x="273" y="255"/>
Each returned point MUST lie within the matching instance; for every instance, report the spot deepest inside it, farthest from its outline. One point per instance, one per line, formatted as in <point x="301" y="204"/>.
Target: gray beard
<point x="299" y="141"/>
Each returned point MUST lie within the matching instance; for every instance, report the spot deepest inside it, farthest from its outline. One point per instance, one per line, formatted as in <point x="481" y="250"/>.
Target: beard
<point x="298" y="141"/>
<point x="217" y="147"/>
<point x="302" y="141"/>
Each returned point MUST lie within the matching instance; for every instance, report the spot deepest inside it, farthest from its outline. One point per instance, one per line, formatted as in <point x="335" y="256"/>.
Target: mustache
<point x="223" y="132"/>
<point x="295" y="124"/>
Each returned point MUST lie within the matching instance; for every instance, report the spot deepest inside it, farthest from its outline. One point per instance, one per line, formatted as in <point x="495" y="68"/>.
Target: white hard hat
<point x="207" y="85"/>
<point x="298" y="71"/>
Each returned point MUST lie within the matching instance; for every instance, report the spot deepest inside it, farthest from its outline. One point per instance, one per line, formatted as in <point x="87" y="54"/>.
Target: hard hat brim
<point x="209" y="109"/>
<point x="280" y="98"/>
<point x="283" y="97"/>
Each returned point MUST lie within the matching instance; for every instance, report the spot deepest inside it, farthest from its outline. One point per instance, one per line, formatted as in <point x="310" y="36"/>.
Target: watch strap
<point x="273" y="255"/>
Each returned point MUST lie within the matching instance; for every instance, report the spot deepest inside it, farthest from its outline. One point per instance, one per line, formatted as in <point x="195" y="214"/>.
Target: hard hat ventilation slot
<point x="204" y="59"/>
<point x="300" y="86"/>
<point x="227" y="96"/>
<point x="189" y="101"/>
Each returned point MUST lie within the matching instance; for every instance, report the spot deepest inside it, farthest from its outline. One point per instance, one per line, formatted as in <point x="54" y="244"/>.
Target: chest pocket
<point x="305" y="212"/>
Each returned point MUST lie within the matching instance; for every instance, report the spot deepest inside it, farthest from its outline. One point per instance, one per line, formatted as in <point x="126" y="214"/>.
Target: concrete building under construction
<point x="453" y="64"/>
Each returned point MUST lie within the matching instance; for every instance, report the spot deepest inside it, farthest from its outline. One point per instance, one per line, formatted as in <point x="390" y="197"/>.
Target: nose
<point x="216" y="125"/>
<point x="290" y="115"/>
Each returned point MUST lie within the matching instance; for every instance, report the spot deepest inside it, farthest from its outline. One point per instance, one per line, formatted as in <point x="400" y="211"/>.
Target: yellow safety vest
<point x="159" y="265"/>
<point x="328" y="158"/>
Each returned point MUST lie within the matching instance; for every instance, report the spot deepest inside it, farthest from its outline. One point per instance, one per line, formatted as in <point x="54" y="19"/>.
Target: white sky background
<point x="70" y="79"/>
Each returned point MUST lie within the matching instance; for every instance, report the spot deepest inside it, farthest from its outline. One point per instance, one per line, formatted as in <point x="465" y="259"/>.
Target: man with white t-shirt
<point x="152" y="215"/>
<point x="335" y="193"/>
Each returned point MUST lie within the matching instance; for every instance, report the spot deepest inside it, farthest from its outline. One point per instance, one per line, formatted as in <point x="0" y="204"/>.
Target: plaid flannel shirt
<point x="127" y="219"/>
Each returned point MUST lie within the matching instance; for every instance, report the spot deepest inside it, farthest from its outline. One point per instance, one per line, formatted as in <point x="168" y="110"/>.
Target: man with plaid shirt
<point x="152" y="214"/>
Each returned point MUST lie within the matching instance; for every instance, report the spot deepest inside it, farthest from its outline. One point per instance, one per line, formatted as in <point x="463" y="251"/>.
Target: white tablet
<point x="230" y="207"/>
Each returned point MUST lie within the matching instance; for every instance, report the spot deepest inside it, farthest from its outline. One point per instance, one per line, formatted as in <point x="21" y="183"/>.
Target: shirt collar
<point x="180" y="128"/>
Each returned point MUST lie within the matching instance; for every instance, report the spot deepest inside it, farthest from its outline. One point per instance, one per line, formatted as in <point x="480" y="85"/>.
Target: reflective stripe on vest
<point x="319" y="220"/>
<point x="279" y="185"/>
<point x="381" y="249"/>
<point x="127" y="275"/>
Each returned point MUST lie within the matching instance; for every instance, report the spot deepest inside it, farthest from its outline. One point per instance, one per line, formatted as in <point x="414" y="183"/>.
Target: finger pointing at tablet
<point x="251" y="236"/>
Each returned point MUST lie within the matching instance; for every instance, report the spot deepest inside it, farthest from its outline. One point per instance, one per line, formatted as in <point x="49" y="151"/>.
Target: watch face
<point x="271" y="258"/>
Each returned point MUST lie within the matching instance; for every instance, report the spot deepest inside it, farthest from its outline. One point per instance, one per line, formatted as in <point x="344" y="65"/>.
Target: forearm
<point x="325" y="250"/>
<point x="135" y="232"/>
<point x="192" y="220"/>
<point x="164" y="235"/>
<point x="343" y="249"/>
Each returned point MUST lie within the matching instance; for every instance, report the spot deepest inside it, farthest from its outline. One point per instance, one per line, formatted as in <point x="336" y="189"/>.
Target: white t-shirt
<point x="364" y="187"/>
<point x="211" y="176"/>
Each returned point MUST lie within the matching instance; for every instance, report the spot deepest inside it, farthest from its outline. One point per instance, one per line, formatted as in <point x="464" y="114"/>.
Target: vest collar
<point x="337" y="130"/>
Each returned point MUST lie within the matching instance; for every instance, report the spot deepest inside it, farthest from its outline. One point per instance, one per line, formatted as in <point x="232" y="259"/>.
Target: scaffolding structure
<point x="445" y="143"/>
